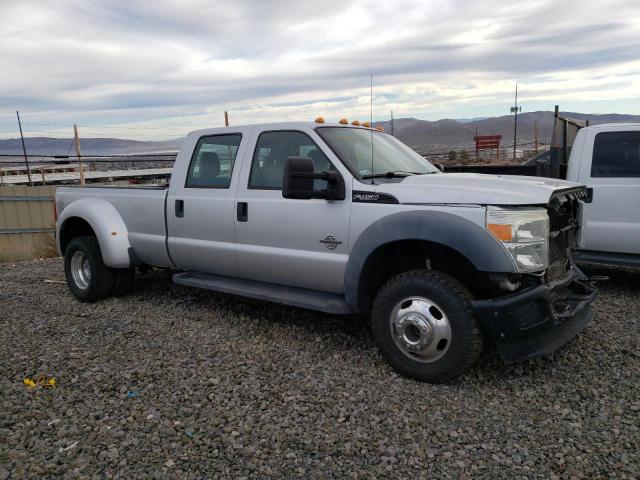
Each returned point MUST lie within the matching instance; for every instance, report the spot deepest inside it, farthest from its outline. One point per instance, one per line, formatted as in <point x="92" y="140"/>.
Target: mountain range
<point x="90" y="146"/>
<point x="422" y="135"/>
<point x="441" y="135"/>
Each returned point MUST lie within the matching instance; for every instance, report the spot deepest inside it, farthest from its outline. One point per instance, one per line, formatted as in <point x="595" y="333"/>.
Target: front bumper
<point x="538" y="320"/>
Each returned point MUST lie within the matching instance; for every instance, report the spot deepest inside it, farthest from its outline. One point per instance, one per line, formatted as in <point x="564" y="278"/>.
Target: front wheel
<point x="425" y="326"/>
<point x="89" y="279"/>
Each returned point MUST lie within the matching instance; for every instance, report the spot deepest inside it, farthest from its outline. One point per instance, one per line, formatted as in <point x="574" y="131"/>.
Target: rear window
<point x="212" y="162"/>
<point x="616" y="155"/>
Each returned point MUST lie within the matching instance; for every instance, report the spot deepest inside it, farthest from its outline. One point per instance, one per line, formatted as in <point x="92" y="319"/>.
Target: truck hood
<point x="475" y="188"/>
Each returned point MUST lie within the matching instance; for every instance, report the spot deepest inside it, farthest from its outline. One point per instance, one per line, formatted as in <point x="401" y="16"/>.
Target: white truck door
<point x="611" y="222"/>
<point x="301" y="243"/>
<point x="200" y="205"/>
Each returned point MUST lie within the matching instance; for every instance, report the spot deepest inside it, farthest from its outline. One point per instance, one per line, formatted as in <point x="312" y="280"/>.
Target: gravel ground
<point x="174" y="382"/>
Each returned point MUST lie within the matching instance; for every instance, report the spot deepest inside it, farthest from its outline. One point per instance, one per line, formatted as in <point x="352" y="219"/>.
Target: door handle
<point x="179" y="208"/>
<point x="242" y="211"/>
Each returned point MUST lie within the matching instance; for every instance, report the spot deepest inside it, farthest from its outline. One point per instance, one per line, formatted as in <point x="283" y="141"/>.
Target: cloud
<point x="155" y="69"/>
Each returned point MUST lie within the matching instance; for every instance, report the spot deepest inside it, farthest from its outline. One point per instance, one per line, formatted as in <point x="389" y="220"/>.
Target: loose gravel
<point x="172" y="382"/>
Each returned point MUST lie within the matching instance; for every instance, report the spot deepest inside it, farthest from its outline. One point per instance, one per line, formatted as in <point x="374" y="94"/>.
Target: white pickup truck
<point x="606" y="158"/>
<point x="347" y="219"/>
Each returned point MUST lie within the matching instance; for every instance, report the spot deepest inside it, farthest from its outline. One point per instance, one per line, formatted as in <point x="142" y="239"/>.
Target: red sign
<point x="488" y="142"/>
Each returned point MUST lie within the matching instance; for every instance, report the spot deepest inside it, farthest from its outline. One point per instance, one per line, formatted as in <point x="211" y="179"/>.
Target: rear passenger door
<point x="301" y="243"/>
<point x="612" y="219"/>
<point x="200" y="204"/>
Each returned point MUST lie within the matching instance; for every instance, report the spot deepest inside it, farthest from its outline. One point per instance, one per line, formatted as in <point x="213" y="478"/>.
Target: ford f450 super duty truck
<point x="347" y="219"/>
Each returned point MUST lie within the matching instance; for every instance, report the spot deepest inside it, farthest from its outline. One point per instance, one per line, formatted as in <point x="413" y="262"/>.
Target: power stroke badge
<point x="330" y="242"/>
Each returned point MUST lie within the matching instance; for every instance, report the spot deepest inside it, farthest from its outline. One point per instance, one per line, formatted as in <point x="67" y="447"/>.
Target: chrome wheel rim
<point x="420" y="329"/>
<point x="80" y="270"/>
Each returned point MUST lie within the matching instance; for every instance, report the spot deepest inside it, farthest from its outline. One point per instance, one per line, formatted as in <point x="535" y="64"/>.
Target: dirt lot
<point x="173" y="382"/>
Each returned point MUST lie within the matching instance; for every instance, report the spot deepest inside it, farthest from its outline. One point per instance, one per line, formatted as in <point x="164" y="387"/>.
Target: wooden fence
<point x="27" y="223"/>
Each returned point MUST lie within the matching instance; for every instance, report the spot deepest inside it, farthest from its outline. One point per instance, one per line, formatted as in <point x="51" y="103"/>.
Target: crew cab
<point x="347" y="219"/>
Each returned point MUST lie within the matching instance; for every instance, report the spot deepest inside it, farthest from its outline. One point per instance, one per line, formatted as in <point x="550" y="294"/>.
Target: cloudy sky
<point x="155" y="69"/>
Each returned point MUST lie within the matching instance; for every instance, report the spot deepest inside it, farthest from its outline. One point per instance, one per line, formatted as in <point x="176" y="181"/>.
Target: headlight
<point x="524" y="233"/>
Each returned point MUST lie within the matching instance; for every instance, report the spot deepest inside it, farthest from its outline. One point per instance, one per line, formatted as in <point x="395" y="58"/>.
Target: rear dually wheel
<point x="89" y="279"/>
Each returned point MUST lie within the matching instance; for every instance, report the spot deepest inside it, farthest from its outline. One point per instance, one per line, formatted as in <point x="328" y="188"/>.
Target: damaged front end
<point x="543" y="310"/>
<point x="537" y="320"/>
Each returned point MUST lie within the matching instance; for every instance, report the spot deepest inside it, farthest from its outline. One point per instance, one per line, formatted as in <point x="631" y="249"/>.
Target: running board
<point x="624" y="259"/>
<point x="293" y="296"/>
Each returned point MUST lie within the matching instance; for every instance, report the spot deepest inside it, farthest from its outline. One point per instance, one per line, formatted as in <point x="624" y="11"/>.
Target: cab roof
<point x="274" y="126"/>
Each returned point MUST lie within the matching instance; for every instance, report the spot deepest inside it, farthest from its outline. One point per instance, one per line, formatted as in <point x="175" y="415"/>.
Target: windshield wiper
<point x="394" y="174"/>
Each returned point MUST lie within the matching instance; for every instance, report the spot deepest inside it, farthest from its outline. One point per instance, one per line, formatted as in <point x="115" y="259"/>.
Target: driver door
<point x="300" y="243"/>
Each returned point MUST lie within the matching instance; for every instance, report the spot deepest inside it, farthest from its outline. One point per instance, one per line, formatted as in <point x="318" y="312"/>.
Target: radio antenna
<point x="371" y="121"/>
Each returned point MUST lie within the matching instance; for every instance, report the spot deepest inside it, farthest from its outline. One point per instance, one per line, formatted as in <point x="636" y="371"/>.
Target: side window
<point x="616" y="155"/>
<point x="272" y="150"/>
<point x="212" y="162"/>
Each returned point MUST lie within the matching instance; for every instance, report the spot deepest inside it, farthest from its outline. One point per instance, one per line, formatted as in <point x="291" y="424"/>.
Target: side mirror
<point x="298" y="180"/>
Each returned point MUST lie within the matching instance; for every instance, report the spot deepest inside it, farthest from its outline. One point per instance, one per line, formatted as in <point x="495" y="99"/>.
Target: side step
<point x="623" y="259"/>
<point x="296" y="297"/>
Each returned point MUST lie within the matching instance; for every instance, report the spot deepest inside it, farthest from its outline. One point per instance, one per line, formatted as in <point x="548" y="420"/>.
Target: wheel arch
<point x="404" y="240"/>
<point x="96" y="217"/>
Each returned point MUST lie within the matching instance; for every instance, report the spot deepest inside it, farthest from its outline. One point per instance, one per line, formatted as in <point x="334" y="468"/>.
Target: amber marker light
<point x="501" y="231"/>
<point x="356" y="123"/>
<point x="365" y="124"/>
<point x="319" y="120"/>
<point x="344" y="121"/>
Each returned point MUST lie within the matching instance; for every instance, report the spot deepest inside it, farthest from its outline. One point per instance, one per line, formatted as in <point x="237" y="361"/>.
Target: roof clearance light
<point x="319" y="120"/>
<point x="379" y="128"/>
<point x="356" y="123"/>
<point x="344" y="121"/>
<point x="365" y="124"/>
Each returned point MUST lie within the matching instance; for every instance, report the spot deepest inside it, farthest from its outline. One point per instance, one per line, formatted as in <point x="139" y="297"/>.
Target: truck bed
<point x="142" y="209"/>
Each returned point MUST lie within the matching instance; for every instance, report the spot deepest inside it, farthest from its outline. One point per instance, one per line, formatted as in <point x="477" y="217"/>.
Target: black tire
<point x="102" y="278"/>
<point x="466" y="339"/>
<point x="124" y="281"/>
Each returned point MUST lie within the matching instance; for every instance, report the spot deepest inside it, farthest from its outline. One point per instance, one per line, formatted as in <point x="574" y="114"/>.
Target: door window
<point x="272" y="150"/>
<point x="212" y="163"/>
<point x="616" y="154"/>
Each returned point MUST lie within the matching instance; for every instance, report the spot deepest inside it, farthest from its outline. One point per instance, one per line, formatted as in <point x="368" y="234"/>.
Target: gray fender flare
<point x="106" y="222"/>
<point x="473" y="242"/>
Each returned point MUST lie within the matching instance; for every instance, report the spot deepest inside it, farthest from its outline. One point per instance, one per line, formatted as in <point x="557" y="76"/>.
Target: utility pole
<point x="515" y="109"/>
<point x="24" y="150"/>
<point x="226" y="119"/>
<point x="535" y="134"/>
<point x="77" y="140"/>
<point x="475" y="139"/>
<point x="392" y="123"/>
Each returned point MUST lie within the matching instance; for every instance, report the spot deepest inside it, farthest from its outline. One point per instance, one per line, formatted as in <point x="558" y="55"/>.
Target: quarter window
<point x="273" y="148"/>
<point x="616" y="154"/>
<point x="212" y="163"/>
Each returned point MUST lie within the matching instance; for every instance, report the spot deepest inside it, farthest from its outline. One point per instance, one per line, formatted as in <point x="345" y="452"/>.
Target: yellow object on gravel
<point x="42" y="381"/>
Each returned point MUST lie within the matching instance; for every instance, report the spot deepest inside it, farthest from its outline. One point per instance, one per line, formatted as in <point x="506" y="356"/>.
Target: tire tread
<point x="472" y="339"/>
<point x="102" y="277"/>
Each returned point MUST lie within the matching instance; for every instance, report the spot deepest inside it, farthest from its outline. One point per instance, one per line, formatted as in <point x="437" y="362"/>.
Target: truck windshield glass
<point x="390" y="156"/>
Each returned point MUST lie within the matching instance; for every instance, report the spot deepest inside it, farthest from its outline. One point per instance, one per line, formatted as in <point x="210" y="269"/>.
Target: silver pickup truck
<point x="347" y="219"/>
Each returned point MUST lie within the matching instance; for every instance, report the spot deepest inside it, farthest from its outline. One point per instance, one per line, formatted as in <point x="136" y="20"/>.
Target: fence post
<point x="77" y="140"/>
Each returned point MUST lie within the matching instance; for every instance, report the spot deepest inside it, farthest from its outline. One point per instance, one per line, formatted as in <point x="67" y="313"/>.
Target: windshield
<point x="353" y="147"/>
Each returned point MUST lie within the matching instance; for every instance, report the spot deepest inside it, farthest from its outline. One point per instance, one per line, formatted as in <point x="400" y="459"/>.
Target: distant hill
<point x="423" y="135"/>
<point x="90" y="146"/>
<point x="426" y="136"/>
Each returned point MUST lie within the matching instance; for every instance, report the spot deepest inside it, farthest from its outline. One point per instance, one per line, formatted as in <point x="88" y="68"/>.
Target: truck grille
<point x="564" y="222"/>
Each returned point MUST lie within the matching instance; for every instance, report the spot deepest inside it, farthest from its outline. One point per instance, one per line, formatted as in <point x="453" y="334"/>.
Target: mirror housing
<point x="298" y="180"/>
